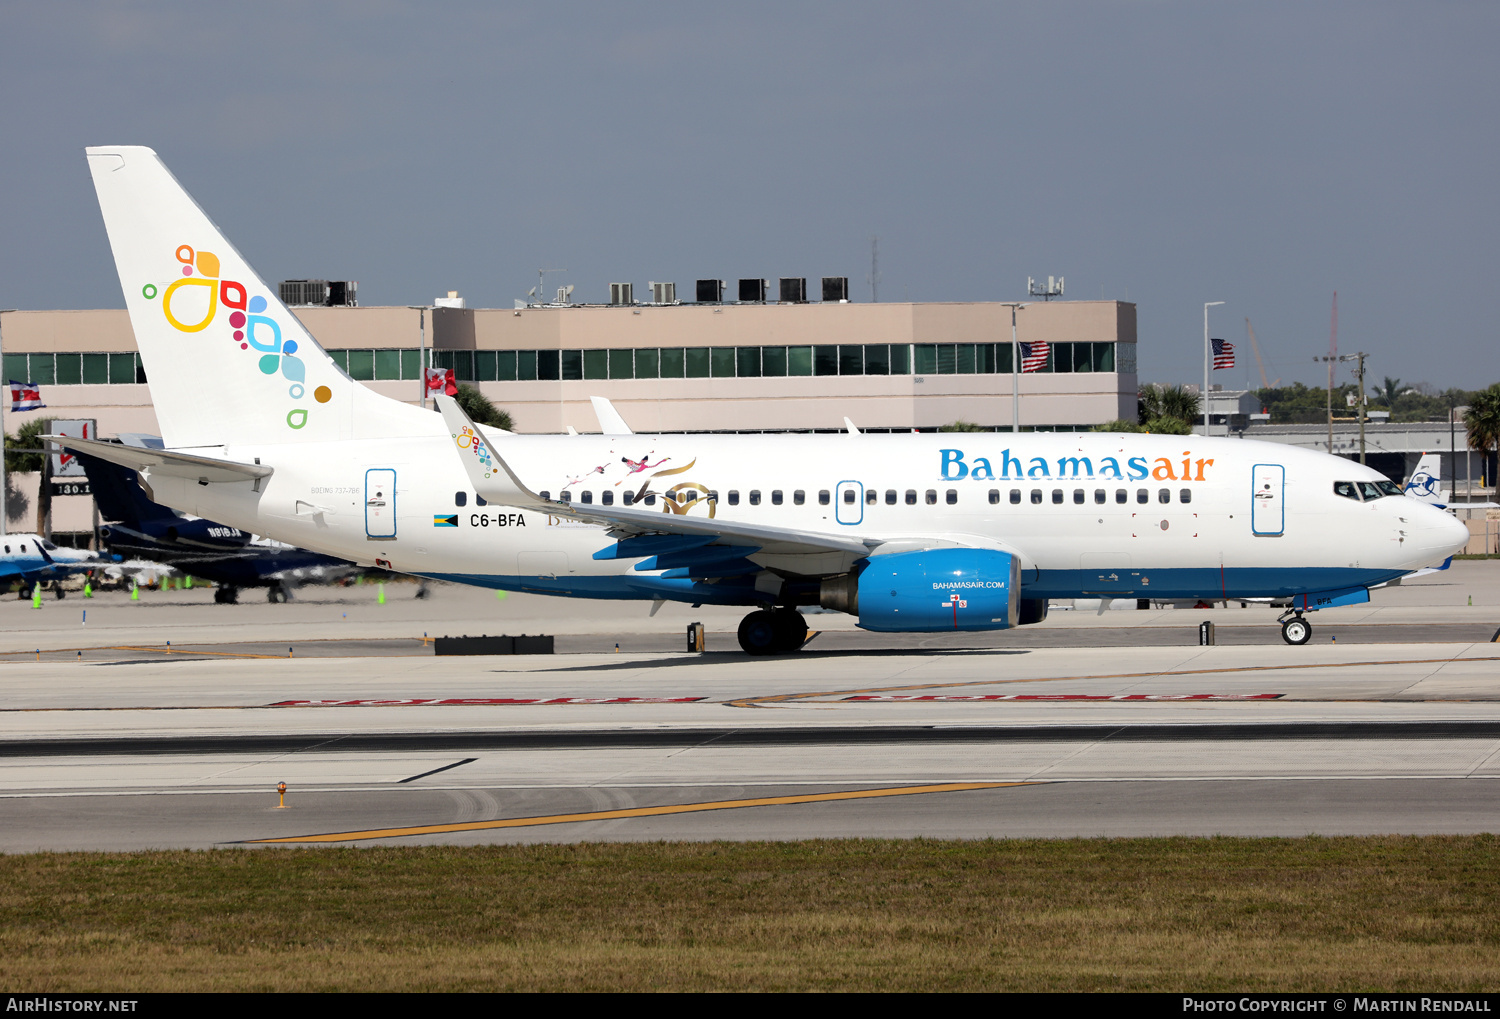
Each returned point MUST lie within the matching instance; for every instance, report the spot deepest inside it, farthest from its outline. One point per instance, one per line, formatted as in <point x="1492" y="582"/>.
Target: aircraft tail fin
<point x="1426" y="482"/>
<point x="226" y="361"/>
<point x="117" y="494"/>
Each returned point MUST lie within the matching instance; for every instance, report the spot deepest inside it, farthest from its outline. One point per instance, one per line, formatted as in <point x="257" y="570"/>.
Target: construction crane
<point x="1255" y="349"/>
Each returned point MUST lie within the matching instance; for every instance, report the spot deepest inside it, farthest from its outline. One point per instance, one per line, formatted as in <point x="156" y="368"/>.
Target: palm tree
<point x="1389" y="392"/>
<point x="1170" y="410"/>
<point x="1483" y="420"/>
<point x="962" y="426"/>
<point x="480" y="410"/>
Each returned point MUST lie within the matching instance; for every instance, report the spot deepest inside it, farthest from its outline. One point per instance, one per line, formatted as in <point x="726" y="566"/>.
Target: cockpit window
<point x="1368" y="490"/>
<point x="1388" y="487"/>
<point x="1346" y="489"/>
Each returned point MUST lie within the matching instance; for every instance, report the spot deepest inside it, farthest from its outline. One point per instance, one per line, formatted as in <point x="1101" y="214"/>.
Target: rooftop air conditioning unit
<point x="710" y="291"/>
<point x="753" y="291"/>
<point x="794" y="289"/>
<point x="836" y="288"/>
<point x="663" y="293"/>
<point x="622" y="293"/>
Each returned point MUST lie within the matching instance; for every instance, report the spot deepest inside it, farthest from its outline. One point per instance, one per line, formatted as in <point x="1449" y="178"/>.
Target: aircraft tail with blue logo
<point x="227" y="363"/>
<point x="1426" y="482"/>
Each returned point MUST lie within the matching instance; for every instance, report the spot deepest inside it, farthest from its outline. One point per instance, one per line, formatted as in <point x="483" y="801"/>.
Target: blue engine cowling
<point x="940" y="589"/>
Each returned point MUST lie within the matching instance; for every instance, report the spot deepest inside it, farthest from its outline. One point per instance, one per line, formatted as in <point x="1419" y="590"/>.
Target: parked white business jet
<point x="908" y="532"/>
<point x="31" y="558"/>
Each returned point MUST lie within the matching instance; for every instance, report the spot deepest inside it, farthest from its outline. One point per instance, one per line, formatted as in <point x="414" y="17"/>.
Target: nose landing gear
<point x="773" y="633"/>
<point x="1295" y="629"/>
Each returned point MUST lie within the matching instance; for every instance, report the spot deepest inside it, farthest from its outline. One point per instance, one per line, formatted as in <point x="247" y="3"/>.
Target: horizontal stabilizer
<point x="164" y="463"/>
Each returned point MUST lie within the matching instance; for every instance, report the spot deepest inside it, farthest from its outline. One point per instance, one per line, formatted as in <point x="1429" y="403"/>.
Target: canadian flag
<point x="440" y="380"/>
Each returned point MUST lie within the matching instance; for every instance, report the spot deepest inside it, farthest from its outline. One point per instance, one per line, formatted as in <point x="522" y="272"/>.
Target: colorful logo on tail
<point x="249" y="327"/>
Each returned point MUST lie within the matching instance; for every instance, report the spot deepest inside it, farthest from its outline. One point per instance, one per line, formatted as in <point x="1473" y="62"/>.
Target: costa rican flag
<point x="1034" y="356"/>
<point x="440" y="380"/>
<point x="1223" y="354"/>
<point x="25" y="396"/>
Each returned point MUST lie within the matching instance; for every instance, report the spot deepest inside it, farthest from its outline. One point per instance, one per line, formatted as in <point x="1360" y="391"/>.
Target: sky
<point x="1265" y="154"/>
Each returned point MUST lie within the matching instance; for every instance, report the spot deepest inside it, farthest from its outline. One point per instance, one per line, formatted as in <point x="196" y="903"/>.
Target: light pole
<point x="1206" y="359"/>
<point x="1015" y="369"/>
<point x="421" y="310"/>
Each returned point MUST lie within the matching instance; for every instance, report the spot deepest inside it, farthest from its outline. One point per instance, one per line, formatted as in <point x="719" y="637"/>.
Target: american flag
<point x="1034" y="356"/>
<point x="1223" y="354"/>
<point x="25" y="396"/>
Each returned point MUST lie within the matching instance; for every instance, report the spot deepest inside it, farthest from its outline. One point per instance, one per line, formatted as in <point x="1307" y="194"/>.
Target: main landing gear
<point x="770" y="632"/>
<point x="1295" y="629"/>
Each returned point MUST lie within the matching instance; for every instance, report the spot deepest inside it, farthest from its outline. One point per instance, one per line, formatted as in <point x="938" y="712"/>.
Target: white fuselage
<point x="1087" y="514"/>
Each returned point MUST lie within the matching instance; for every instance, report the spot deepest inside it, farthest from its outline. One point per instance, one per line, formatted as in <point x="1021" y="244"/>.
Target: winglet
<point x="850" y="426"/>
<point x="610" y="421"/>
<point x="491" y="476"/>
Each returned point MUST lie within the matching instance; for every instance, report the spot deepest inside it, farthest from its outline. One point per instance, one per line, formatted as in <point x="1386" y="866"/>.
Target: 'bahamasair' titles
<point x="956" y="466"/>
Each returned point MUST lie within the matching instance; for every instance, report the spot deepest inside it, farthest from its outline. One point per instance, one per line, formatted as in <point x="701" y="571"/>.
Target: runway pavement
<point x="115" y="741"/>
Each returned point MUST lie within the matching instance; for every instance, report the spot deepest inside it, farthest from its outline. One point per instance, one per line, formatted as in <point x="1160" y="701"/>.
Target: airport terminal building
<point x="730" y="367"/>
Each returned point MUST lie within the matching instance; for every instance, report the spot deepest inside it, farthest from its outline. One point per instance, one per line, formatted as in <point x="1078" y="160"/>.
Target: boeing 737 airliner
<point x="969" y="531"/>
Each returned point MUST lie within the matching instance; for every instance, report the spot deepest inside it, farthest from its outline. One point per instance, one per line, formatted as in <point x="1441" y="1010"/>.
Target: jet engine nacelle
<point x="939" y="589"/>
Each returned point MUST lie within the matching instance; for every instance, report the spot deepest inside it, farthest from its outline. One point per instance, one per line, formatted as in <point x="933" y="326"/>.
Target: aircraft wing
<point x="164" y="463"/>
<point x="496" y="482"/>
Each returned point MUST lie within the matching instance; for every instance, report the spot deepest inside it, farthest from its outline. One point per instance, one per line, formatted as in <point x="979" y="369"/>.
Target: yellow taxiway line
<point x="609" y="815"/>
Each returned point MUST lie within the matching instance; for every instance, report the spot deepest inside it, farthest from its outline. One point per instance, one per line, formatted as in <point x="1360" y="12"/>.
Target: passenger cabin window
<point x="994" y="497"/>
<point x="1186" y="495"/>
<point x="1036" y="496"/>
<point x="1122" y="496"/>
<point x="823" y="497"/>
<point x="460" y="498"/>
<point x="545" y="495"/>
<point x="952" y="497"/>
<point x="650" y="498"/>
<point x="1100" y="495"/>
<point x="734" y="497"/>
<point x="871" y="497"/>
<point x="586" y="497"/>
<point x="848" y="497"/>
<point x="1015" y="497"/>
<point x="755" y="497"/>
<point x="1057" y="496"/>
<point x="1165" y="495"/>
<point x="627" y="497"/>
<point x="1142" y="496"/>
<point x="564" y="496"/>
<point x="775" y="497"/>
<point x="932" y="497"/>
<point x="799" y="497"/>
<point x="479" y="500"/>
<point x="911" y="497"/>
<point x="890" y="497"/>
<point x="607" y="498"/>
<point x="1078" y="497"/>
<point x="1368" y="490"/>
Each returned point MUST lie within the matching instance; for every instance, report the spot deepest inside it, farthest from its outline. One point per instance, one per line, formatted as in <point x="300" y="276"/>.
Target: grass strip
<point x="1223" y="914"/>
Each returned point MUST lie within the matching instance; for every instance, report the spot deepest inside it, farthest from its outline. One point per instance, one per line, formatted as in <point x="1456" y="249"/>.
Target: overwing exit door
<point x="849" y="503"/>
<point x="380" y="503"/>
<point x="1268" y="500"/>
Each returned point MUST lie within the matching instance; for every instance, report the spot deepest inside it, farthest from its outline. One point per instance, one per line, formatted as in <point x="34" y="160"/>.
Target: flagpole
<point x="1206" y="306"/>
<point x="4" y="509"/>
<point x="1015" y="370"/>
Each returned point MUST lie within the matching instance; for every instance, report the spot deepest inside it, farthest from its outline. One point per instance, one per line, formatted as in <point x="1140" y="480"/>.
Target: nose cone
<point x="1438" y="533"/>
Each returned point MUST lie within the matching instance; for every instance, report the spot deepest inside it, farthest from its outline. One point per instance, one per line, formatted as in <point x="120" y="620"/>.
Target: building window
<point x="825" y="360"/>
<point x="695" y="360"/>
<point x="622" y="364"/>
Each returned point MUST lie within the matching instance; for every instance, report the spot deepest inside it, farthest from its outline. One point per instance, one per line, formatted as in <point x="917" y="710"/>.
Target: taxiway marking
<point x="608" y="815"/>
<point x="781" y="698"/>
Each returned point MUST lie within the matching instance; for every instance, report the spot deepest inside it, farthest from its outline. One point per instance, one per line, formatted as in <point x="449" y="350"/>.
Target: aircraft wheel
<point x="759" y="633"/>
<point x="25" y="592"/>
<point x="1296" y="630"/>
<point x="275" y="594"/>
<point x="58" y="592"/>
<point x="792" y="629"/>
